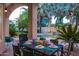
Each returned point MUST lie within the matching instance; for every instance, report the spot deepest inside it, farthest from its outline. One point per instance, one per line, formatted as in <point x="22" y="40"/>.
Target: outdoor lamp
<point x="5" y="10"/>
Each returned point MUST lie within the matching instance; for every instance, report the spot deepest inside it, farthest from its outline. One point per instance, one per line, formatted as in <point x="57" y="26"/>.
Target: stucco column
<point x="5" y="23"/>
<point x="32" y="21"/>
<point x="1" y="29"/>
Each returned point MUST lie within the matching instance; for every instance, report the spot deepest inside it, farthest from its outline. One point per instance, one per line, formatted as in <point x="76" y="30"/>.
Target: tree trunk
<point x="49" y="25"/>
<point x="71" y="45"/>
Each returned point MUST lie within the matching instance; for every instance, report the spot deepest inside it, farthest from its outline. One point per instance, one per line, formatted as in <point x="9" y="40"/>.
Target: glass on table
<point x="47" y="43"/>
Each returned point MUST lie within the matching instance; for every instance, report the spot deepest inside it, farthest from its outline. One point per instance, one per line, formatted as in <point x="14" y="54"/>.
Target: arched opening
<point x="18" y="21"/>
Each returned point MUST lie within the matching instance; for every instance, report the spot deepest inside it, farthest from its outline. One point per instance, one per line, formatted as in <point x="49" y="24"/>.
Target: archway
<point x="32" y="16"/>
<point x="18" y="21"/>
<point x="10" y="8"/>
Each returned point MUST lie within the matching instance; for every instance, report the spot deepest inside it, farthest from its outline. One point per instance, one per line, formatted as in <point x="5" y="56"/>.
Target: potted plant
<point x="69" y="33"/>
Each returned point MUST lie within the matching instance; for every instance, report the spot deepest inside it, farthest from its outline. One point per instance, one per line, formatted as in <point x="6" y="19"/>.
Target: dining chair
<point x="27" y="51"/>
<point x="16" y="50"/>
<point x="22" y="38"/>
<point x="56" y="43"/>
<point x="36" y="53"/>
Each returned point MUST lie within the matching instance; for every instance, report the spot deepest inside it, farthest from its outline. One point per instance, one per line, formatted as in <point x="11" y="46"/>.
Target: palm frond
<point x="74" y="29"/>
<point x="66" y="32"/>
<point x="60" y="31"/>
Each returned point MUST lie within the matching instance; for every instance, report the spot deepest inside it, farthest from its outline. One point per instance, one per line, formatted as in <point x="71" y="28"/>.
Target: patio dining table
<point x="46" y="51"/>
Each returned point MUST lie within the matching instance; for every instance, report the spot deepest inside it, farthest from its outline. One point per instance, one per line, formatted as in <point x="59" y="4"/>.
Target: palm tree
<point x="56" y="9"/>
<point x="59" y="15"/>
<point x="40" y="15"/>
<point x="76" y="11"/>
<point x="43" y="12"/>
<point x="70" y="16"/>
<point x="69" y="33"/>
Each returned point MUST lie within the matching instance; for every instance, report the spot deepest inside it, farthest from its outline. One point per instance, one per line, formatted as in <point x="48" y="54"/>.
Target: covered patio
<point x="6" y="10"/>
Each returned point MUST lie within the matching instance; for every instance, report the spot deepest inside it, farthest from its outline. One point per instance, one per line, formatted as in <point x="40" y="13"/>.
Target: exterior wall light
<point x="5" y="10"/>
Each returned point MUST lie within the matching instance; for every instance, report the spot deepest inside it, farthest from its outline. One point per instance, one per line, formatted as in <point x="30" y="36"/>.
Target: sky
<point x="54" y="20"/>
